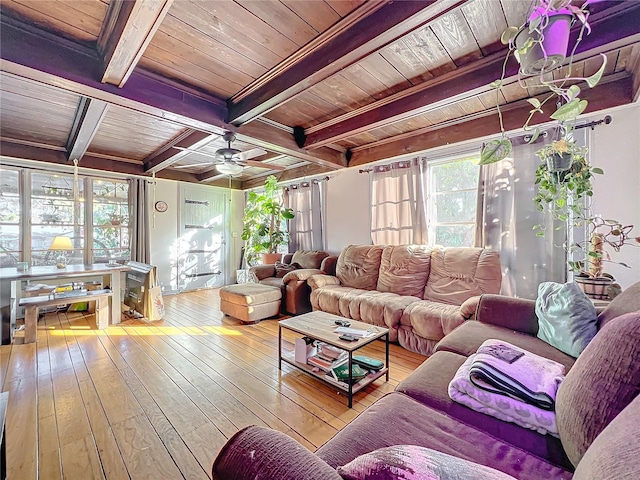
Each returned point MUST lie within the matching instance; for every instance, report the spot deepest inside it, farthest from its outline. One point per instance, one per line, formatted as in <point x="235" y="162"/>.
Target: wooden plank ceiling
<point x="129" y="85"/>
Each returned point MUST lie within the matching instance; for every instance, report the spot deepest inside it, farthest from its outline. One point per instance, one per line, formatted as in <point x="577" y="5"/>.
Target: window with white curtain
<point x="422" y="201"/>
<point x="307" y="228"/>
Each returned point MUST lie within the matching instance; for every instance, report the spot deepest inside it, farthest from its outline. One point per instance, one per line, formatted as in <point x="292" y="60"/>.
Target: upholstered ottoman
<point x="250" y="302"/>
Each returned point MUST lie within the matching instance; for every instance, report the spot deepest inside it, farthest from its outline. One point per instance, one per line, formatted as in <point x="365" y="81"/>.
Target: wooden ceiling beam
<point x="32" y="53"/>
<point x="126" y="31"/>
<point x="289" y="174"/>
<point x="613" y="91"/>
<point x="21" y="151"/>
<point x="88" y="118"/>
<point x="166" y="155"/>
<point x="371" y="27"/>
<point x="466" y="82"/>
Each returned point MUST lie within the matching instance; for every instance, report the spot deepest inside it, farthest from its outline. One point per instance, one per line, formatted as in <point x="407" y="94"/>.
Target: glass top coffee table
<point x="321" y="326"/>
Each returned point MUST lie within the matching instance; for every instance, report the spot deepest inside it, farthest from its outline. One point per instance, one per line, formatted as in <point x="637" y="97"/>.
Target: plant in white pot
<point x="541" y="46"/>
<point x="264" y="217"/>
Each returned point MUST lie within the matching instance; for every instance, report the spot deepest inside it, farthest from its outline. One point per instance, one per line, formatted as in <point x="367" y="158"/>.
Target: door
<point x="202" y="238"/>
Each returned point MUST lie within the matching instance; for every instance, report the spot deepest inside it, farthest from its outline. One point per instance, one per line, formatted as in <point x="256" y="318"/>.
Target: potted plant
<point x="589" y="270"/>
<point x="540" y="46"/>
<point x="263" y="230"/>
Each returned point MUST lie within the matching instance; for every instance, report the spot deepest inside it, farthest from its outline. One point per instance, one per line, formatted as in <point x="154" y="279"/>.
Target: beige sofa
<point x="420" y="293"/>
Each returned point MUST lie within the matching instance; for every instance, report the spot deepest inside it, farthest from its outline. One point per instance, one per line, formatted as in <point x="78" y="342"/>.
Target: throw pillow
<point x="567" y="318"/>
<point x="415" y="463"/>
<point x="283" y="268"/>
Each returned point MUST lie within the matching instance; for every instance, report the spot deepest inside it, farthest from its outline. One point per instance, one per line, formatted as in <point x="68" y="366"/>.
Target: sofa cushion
<point x="309" y="258"/>
<point x="566" y="317"/>
<point x="416" y="463"/>
<point x="376" y="308"/>
<point x="429" y="384"/>
<point x="466" y="339"/>
<point x="432" y="320"/>
<point x="460" y="273"/>
<point x="627" y="301"/>
<point x="283" y="268"/>
<point x="358" y="266"/>
<point x="407" y="421"/>
<point x="603" y="381"/>
<point x="614" y="453"/>
<point x="404" y="269"/>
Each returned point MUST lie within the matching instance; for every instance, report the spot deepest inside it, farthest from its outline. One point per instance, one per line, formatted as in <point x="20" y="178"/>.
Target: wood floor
<point x="158" y="400"/>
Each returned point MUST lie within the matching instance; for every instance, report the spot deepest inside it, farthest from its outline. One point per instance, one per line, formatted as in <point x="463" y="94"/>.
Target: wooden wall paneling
<point x="623" y="58"/>
<point x="533" y="87"/>
<point x="367" y="81"/>
<point x="491" y="98"/>
<point x="226" y="51"/>
<point x="344" y="7"/>
<point x="319" y="14"/>
<point x="386" y="73"/>
<point x="171" y="69"/>
<point x="341" y="93"/>
<point x="611" y="92"/>
<point x="282" y="19"/>
<point x="592" y="65"/>
<point x="487" y="22"/>
<point x="456" y="37"/>
<point x="430" y="51"/>
<point x="513" y="92"/>
<point x="37" y="91"/>
<point x="404" y="56"/>
<point x="390" y="130"/>
<point x="208" y="32"/>
<point x="470" y="105"/>
<point x="67" y="18"/>
<point x="298" y="112"/>
<point x="125" y="34"/>
<point x="516" y="13"/>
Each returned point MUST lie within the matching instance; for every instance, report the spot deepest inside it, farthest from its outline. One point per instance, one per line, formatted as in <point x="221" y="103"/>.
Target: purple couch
<point x="596" y="410"/>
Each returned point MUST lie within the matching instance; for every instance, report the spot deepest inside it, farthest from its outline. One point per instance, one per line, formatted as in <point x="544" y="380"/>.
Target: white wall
<point x="165" y="234"/>
<point x="347" y="210"/>
<point x="616" y="149"/>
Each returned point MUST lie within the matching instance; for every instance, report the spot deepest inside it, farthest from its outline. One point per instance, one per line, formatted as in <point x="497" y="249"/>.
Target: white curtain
<point x="307" y="229"/>
<point x="398" y="209"/>
<point x="506" y="217"/>
<point x="139" y="217"/>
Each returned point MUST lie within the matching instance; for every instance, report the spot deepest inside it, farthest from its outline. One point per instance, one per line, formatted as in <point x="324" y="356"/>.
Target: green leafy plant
<point x="563" y="92"/>
<point x="264" y="216"/>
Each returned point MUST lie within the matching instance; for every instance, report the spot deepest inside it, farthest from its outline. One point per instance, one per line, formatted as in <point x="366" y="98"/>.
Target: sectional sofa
<point x="596" y="410"/>
<point x="420" y="293"/>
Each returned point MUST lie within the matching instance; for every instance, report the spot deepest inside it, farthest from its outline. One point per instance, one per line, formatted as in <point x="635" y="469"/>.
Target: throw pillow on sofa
<point x="415" y="463"/>
<point x="283" y="268"/>
<point x="567" y="318"/>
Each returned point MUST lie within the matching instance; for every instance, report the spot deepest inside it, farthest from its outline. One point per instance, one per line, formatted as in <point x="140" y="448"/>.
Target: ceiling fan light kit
<point x="229" y="168"/>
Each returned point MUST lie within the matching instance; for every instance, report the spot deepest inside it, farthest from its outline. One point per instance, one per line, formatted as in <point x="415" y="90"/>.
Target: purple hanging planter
<point x="549" y="54"/>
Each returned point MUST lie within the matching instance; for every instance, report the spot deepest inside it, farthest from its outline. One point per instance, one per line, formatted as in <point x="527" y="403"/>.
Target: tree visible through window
<point x="451" y="202"/>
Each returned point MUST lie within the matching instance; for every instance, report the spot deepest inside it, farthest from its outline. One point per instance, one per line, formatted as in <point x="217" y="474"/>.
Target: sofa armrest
<point x="469" y="307"/>
<point x="320" y="280"/>
<point x="328" y="265"/>
<point x="508" y="312"/>
<point x="255" y="451"/>
<point x="260" y="272"/>
<point x="300" y="275"/>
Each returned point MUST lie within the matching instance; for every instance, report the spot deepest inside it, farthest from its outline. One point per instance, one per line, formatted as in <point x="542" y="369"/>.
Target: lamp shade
<point x="61" y="243"/>
<point x="229" y="168"/>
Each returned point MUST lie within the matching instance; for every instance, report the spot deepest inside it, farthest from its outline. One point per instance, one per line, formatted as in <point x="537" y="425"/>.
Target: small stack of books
<point x="341" y="372"/>
<point x="328" y="357"/>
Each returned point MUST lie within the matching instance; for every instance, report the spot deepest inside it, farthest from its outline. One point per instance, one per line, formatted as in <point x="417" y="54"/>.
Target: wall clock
<point x="161" y="206"/>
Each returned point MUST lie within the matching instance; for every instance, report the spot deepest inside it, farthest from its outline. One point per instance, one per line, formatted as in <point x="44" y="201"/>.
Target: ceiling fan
<point x="231" y="161"/>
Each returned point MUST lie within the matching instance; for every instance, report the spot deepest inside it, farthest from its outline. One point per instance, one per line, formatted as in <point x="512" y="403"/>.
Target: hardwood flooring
<point x="143" y="400"/>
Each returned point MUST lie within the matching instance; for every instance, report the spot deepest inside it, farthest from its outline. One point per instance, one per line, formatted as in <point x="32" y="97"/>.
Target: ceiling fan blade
<point x="191" y="165"/>
<point x="268" y="166"/>
<point x="249" y="154"/>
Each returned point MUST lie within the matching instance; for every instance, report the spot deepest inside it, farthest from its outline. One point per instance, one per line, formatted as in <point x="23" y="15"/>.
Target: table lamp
<point x="61" y="244"/>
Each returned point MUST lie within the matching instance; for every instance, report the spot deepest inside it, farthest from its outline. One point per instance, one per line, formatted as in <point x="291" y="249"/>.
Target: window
<point x="10" y="251"/>
<point x="110" y="220"/>
<point x="451" y="201"/>
<point x="96" y="220"/>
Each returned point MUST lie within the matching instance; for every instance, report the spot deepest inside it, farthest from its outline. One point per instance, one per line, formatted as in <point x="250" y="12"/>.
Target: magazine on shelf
<point x="341" y="372"/>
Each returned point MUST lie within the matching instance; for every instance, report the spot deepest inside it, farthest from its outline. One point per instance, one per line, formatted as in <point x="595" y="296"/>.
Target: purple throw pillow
<point x="411" y="462"/>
